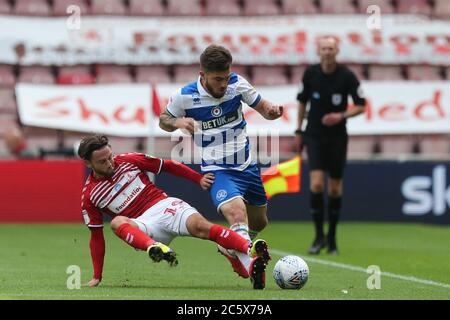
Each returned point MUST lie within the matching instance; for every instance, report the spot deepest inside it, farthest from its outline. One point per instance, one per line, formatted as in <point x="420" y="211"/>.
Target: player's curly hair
<point x="215" y="58"/>
<point x="90" y="144"/>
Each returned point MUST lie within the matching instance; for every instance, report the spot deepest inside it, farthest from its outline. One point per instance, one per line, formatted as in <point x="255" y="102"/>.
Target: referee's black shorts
<point x="327" y="153"/>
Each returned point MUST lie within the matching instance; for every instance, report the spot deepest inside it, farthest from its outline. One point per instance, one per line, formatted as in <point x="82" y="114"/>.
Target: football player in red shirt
<point x="143" y="215"/>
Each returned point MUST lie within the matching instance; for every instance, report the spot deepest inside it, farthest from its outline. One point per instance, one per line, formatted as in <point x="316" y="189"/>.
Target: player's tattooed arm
<point x="169" y="123"/>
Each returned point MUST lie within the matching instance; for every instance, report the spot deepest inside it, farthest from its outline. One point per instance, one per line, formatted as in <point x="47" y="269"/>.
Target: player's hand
<point x="93" y="283"/>
<point x="274" y="112"/>
<point x="331" y="119"/>
<point x="187" y="124"/>
<point x="207" y="181"/>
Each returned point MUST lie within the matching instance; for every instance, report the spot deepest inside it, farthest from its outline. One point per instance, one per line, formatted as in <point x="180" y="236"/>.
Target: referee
<point x="326" y="86"/>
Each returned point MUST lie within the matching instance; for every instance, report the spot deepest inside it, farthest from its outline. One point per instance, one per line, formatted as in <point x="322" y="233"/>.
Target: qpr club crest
<point x="221" y="194"/>
<point x="216" y="111"/>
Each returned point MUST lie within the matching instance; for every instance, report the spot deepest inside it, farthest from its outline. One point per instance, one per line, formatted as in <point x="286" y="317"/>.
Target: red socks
<point x="134" y="236"/>
<point x="228" y="239"/>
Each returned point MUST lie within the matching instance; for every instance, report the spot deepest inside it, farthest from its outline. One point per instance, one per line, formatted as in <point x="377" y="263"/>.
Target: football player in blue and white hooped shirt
<point x="210" y="108"/>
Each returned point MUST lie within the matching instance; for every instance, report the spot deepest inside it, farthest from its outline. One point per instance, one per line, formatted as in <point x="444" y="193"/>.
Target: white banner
<point x="126" y="110"/>
<point x="252" y="40"/>
<point x="119" y="110"/>
<point x="392" y="108"/>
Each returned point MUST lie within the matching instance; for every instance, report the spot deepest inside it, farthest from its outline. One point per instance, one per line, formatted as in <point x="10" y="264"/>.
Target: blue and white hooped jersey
<point x="223" y="137"/>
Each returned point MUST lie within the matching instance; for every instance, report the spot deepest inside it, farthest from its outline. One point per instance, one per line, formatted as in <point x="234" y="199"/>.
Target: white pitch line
<point x="364" y="270"/>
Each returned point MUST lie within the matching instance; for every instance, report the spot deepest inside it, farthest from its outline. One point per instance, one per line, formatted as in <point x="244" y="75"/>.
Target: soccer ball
<point x="291" y="272"/>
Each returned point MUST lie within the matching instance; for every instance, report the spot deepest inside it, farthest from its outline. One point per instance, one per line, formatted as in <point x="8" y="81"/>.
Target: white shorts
<point x="166" y="220"/>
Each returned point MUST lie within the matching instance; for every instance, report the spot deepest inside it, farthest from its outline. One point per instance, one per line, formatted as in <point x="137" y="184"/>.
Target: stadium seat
<point x="297" y="73"/>
<point x="75" y="75"/>
<point x="241" y="70"/>
<point x="124" y="145"/>
<point x="36" y="74"/>
<point x="7" y="121"/>
<point x="385" y="72"/>
<point x="113" y="74"/>
<point x="435" y="145"/>
<point x="152" y="74"/>
<point x="60" y="6"/>
<point x="7" y="79"/>
<point x="298" y="7"/>
<point x="184" y="8"/>
<point x="31" y="8"/>
<point x="392" y="145"/>
<point x="146" y="8"/>
<point x="222" y="8"/>
<point x="260" y="8"/>
<point x="360" y="146"/>
<point x="108" y="7"/>
<point x="7" y="101"/>
<point x="385" y="5"/>
<point x="5" y="8"/>
<point x="269" y="75"/>
<point x="337" y="7"/>
<point x="358" y="69"/>
<point x="441" y="9"/>
<point x="424" y="72"/>
<point x="186" y="73"/>
<point x="414" y="7"/>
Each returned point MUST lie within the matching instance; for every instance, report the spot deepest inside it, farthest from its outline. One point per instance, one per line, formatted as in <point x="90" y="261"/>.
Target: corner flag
<point x="283" y="178"/>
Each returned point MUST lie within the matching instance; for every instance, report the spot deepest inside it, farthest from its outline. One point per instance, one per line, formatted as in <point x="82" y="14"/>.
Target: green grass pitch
<point x="413" y="259"/>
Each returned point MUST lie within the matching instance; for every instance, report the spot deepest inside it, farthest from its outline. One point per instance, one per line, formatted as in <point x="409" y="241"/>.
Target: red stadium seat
<point x="7" y="101"/>
<point x="260" y="8"/>
<point x="108" y="7"/>
<point x="414" y="7"/>
<point x="441" y="9"/>
<point x="75" y="75"/>
<point x="297" y="73"/>
<point x="5" y="8"/>
<point x="113" y="74"/>
<point x="435" y="145"/>
<point x="299" y="7"/>
<point x="360" y="146"/>
<point x="385" y="5"/>
<point x="337" y="7"/>
<point x="186" y="73"/>
<point x="146" y="8"/>
<point x="36" y="74"/>
<point x="7" y="122"/>
<point x="222" y="8"/>
<point x="358" y="69"/>
<point x="241" y="70"/>
<point x="60" y="6"/>
<point x="31" y="8"/>
<point x="152" y="74"/>
<point x="396" y="145"/>
<point x="269" y="75"/>
<point x="424" y="72"/>
<point x="7" y="78"/>
<point x="385" y="72"/>
<point x="184" y="8"/>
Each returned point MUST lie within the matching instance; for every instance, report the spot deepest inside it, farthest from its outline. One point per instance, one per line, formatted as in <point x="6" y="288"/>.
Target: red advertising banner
<point x="41" y="191"/>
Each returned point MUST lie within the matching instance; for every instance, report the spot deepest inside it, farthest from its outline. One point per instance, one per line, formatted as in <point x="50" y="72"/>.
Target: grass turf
<point x="34" y="260"/>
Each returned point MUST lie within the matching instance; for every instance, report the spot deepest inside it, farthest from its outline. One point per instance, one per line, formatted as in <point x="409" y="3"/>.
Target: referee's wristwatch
<point x="298" y="131"/>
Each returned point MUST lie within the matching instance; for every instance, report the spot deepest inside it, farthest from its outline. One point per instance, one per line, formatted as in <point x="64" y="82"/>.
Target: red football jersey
<point x="129" y="192"/>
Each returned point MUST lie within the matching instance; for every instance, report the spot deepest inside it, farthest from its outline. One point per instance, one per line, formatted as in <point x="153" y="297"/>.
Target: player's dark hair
<point x="215" y="58"/>
<point x="90" y="144"/>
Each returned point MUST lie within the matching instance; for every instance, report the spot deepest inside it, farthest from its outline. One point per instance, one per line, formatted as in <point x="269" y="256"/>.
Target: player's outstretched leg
<point x="159" y="251"/>
<point x="236" y="264"/>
